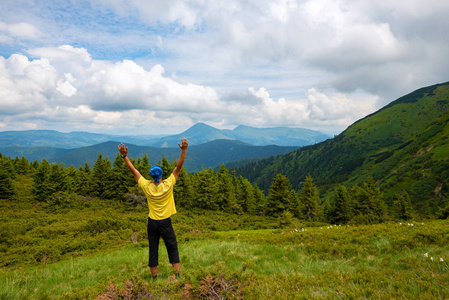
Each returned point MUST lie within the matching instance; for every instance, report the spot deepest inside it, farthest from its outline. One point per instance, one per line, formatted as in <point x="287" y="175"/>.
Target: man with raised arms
<point x="161" y="204"/>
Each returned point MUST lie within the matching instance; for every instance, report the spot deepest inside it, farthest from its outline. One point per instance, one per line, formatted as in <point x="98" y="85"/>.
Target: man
<point x="161" y="205"/>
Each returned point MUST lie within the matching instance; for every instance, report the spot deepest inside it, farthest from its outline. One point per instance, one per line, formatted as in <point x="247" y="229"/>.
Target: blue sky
<point x="140" y="66"/>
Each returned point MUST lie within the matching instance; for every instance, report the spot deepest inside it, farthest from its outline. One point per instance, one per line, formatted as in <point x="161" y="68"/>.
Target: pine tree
<point x="167" y="169"/>
<point x="57" y="179"/>
<point x="226" y="192"/>
<point x="144" y="166"/>
<point x="7" y="188"/>
<point x="368" y="203"/>
<point x="8" y="166"/>
<point x="205" y="190"/>
<point x="21" y="165"/>
<point x="101" y="177"/>
<point x="84" y="180"/>
<point x="121" y="178"/>
<point x="41" y="182"/>
<point x="278" y="196"/>
<point x="248" y="200"/>
<point x="308" y="197"/>
<point x="342" y="210"/>
<point x="402" y="206"/>
<point x="293" y="204"/>
<point x="260" y="200"/>
<point x="71" y="175"/>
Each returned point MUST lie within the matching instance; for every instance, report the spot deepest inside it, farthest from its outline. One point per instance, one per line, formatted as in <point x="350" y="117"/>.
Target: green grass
<point x="381" y="261"/>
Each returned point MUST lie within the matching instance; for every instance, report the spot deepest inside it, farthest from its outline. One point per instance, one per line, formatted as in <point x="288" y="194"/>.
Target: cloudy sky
<point x="153" y="67"/>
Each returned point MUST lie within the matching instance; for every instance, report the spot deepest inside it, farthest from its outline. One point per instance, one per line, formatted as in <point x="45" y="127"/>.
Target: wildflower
<point x="411" y="224"/>
<point x="400" y="223"/>
<point x="431" y="258"/>
<point x="426" y="255"/>
<point x="441" y="259"/>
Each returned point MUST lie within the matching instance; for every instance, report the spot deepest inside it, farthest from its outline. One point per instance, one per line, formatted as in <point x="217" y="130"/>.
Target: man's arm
<point x="183" y="146"/>
<point x="128" y="163"/>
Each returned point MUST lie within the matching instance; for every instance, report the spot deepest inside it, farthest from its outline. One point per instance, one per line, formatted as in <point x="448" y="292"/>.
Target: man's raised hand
<point x="122" y="149"/>
<point x="184" y="145"/>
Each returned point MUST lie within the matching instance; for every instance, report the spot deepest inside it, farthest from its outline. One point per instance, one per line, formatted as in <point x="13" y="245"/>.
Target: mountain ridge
<point x="197" y="134"/>
<point x="392" y="145"/>
<point x="208" y="155"/>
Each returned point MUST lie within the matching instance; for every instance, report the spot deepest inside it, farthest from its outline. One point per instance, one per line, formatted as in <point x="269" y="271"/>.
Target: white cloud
<point x="319" y="61"/>
<point x="21" y="30"/>
<point x="109" y="94"/>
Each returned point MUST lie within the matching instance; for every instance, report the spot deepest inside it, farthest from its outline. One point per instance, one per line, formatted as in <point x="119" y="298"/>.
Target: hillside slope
<point x="406" y="138"/>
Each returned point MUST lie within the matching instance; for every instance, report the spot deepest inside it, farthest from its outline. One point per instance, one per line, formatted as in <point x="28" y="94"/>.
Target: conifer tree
<point x="101" y="177"/>
<point x="205" y="190"/>
<point x="226" y="192"/>
<point x="57" y="179"/>
<point x="167" y="169"/>
<point x="342" y="209"/>
<point x="308" y="197"/>
<point x="237" y="188"/>
<point x="402" y="206"/>
<point x="247" y="194"/>
<point x="144" y="166"/>
<point x="7" y="188"/>
<point x="71" y="175"/>
<point x="21" y="165"/>
<point x="84" y="180"/>
<point x="368" y="203"/>
<point x="121" y="178"/>
<point x="278" y="196"/>
<point x="41" y="182"/>
<point x="8" y="165"/>
<point x="293" y="204"/>
<point x="260" y="200"/>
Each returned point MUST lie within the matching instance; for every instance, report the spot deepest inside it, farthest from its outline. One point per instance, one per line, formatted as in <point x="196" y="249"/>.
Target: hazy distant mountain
<point x="76" y="139"/>
<point x="208" y="155"/>
<point x="197" y="134"/>
<point x="281" y="136"/>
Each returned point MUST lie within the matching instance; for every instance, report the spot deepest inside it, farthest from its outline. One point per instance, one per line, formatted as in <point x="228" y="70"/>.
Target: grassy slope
<point x="85" y="249"/>
<point x="382" y="261"/>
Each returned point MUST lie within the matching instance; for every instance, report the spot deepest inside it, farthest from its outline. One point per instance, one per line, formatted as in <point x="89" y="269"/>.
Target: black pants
<point x="157" y="229"/>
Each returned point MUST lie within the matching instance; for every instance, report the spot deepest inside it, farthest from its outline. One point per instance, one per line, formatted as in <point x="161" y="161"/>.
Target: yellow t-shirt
<point x="160" y="198"/>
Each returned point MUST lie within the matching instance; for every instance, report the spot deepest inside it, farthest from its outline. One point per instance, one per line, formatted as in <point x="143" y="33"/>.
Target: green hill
<point x="401" y="146"/>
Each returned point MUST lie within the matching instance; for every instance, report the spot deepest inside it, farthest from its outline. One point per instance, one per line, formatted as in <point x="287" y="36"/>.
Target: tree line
<point x="207" y="189"/>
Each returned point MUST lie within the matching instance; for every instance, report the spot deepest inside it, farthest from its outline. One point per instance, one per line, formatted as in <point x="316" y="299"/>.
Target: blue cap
<point x="156" y="173"/>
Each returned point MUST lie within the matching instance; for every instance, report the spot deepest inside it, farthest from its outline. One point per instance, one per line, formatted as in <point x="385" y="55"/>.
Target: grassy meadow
<point x="87" y="248"/>
<point x="387" y="261"/>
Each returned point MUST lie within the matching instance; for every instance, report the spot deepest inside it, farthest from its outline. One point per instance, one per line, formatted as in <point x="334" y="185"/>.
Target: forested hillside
<point x="401" y="147"/>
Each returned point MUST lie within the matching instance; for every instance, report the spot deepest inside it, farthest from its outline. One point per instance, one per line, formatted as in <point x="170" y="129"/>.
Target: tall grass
<point x="381" y="261"/>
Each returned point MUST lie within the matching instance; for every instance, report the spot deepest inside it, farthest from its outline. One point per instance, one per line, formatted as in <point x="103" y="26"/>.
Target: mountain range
<point x="197" y="134"/>
<point x="208" y="146"/>
<point x="403" y="146"/>
<point x="282" y="136"/>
